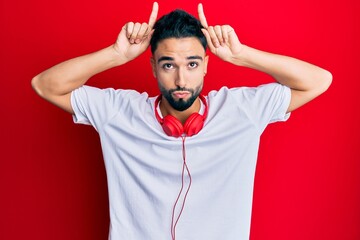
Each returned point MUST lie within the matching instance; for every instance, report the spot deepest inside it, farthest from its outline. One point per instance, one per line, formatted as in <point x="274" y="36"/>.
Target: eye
<point x="167" y="66"/>
<point x="193" y="64"/>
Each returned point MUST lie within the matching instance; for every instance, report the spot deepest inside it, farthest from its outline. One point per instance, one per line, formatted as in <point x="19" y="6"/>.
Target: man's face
<point x="179" y="64"/>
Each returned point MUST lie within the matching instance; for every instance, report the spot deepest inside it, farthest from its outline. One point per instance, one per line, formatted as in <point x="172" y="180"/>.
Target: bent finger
<point x="219" y="34"/>
<point x="129" y="27"/>
<point x="135" y="32"/>
<point x="213" y="37"/>
<point x="225" y="33"/>
<point x="208" y="39"/>
<point x="142" y="32"/>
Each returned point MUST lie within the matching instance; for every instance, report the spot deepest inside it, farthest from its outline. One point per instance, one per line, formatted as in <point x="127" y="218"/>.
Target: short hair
<point x="177" y="24"/>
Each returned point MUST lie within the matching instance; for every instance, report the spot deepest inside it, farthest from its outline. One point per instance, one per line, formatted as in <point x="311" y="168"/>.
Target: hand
<point x="222" y="40"/>
<point x="134" y="38"/>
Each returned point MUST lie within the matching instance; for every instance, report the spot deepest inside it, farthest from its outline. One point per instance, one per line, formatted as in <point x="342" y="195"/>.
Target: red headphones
<point x="174" y="128"/>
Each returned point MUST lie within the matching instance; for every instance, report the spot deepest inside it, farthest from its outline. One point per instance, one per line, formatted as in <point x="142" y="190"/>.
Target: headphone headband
<point x="173" y="127"/>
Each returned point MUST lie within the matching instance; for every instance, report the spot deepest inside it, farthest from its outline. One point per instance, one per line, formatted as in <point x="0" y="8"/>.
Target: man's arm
<point x="305" y="80"/>
<point x="57" y="83"/>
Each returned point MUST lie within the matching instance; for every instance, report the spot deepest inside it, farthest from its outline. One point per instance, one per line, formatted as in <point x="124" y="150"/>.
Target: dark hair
<point x="177" y="24"/>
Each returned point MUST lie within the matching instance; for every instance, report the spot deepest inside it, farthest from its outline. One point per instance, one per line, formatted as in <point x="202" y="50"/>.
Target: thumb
<point x="208" y="39"/>
<point x="233" y="38"/>
<point x="147" y="39"/>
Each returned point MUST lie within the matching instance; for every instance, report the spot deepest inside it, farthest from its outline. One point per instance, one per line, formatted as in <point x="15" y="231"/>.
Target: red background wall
<point x="52" y="178"/>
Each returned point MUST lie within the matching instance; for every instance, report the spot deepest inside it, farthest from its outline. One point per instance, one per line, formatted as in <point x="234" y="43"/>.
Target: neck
<point x="182" y="116"/>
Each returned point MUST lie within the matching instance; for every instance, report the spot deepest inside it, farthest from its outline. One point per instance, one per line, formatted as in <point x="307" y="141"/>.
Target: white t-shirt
<point x="144" y="165"/>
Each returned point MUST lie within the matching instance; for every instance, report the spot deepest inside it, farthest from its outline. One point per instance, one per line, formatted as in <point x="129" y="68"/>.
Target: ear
<point x="206" y="61"/>
<point x="153" y="66"/>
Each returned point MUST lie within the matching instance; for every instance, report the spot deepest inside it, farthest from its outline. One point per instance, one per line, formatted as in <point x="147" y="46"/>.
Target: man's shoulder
<point x="243" y="89"/>
<point x="113" y="92"/>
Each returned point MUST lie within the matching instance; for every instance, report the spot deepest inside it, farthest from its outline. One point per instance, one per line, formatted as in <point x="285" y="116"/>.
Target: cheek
<point x="165" y="79"/>
<point x="163" y="76"/>
<point x="196" y="76"/>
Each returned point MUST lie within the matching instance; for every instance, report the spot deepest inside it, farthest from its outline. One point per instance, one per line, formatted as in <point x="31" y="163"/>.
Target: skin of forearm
<point x="71" y="74"/>
<point x="294" y="73"/>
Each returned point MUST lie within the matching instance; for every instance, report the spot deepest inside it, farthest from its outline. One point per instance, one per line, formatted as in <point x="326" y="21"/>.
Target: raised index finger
<point x="202" y="17"/>
<point x="153" y="15"/>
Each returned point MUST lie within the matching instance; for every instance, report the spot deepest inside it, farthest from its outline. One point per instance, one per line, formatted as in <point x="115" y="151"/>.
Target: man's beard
<point x="181" y="104"/>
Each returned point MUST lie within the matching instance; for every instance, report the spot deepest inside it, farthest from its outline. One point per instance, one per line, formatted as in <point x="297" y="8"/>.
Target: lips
<point x="180" y="94"/>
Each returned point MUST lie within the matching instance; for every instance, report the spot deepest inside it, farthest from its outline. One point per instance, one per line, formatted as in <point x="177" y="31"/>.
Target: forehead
<point x="179" y="48"/>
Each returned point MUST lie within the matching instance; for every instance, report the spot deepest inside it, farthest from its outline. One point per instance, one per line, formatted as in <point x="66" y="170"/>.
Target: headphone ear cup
<point x="172" y="126"/>
<point x="193" y="124"/>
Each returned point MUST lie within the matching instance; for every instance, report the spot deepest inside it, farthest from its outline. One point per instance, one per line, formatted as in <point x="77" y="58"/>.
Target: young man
<point x="180" y="165"/>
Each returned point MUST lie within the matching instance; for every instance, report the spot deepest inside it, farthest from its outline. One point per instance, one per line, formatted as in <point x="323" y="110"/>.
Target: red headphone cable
<point x="173" y="226"/>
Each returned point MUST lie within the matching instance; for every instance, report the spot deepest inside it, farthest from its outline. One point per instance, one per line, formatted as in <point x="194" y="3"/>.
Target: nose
<point x="180" y="80"/>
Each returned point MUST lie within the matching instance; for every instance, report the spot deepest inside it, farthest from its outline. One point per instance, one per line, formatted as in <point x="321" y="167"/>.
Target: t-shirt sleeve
<point x="94" y="106"/>
<point x="267" y="103"/>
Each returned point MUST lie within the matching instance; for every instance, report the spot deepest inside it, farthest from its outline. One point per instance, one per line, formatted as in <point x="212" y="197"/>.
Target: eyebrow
<point x="166" y="58"/>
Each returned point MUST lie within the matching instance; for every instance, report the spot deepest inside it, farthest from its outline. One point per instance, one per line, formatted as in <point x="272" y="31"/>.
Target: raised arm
<point x="56" y="84"/>
<point x="305" y="80"/>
